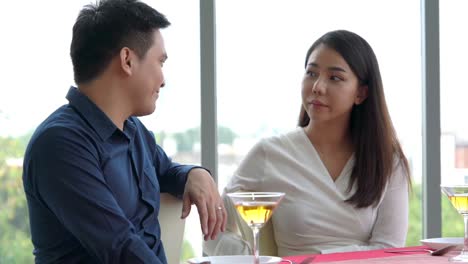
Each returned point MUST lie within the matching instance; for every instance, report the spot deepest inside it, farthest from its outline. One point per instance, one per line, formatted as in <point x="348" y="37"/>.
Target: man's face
<point x="148" y="77"/>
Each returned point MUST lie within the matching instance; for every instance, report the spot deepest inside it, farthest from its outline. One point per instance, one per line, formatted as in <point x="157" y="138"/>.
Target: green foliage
<point x="452" y="221"/>
<point x="187" y="252"/>
<point x="15" y="242"/>
<point x="186" y="140"/>
<point x="226" y="135"/>
<point x="415" y="218"/>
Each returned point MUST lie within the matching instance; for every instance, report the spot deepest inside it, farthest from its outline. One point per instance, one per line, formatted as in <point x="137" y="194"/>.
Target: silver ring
<point x="220" y="208"/>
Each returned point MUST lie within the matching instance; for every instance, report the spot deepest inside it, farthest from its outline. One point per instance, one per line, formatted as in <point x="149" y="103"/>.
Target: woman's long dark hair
<point x="374" y="138"/>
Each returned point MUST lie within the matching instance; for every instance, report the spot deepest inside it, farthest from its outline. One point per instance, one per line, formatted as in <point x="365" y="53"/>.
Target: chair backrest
<point x="172" y="227"/>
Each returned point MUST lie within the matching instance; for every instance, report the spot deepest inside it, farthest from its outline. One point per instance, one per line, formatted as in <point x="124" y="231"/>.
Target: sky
<point x="259" y="66"/>
<point x="260" y="55"/>
<point x="261" y="46"/>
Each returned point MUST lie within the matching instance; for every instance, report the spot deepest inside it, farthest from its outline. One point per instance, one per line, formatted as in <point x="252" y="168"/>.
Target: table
<point x="377" y="256"/>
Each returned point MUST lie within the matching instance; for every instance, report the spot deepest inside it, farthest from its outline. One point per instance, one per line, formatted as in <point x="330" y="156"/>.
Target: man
<point x="92" y="171"/>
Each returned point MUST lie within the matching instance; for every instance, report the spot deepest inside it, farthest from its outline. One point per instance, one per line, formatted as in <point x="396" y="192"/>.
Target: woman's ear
<point x="361" y="95"/>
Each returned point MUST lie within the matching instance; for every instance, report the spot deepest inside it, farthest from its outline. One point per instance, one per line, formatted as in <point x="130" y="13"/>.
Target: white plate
<point x="234" y="260"/>
<point x="436" y="243"/>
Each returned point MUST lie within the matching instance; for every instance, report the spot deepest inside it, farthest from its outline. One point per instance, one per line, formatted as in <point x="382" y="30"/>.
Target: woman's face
<point x="330" y="88"/>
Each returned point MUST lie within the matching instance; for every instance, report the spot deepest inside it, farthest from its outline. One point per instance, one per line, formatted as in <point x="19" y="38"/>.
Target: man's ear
<point x="126" y="60"/>
<point x="362" y="94"/>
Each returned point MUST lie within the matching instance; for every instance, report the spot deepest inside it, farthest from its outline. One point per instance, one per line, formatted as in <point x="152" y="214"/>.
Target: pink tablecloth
<point x="376" y="256"/>
<point x="403" y="259"/>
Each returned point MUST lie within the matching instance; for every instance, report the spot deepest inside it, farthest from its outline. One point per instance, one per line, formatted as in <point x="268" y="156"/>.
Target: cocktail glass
<point x="458" y="196"/>
<point x="256" y="209"/>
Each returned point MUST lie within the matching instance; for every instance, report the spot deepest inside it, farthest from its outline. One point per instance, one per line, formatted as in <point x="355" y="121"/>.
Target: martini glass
<point x="458" y="196"/>
<point x="256" y="208"/>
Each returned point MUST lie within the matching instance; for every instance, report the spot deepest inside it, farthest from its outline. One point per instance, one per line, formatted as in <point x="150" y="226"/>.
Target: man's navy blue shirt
<point x="93" y="189"/>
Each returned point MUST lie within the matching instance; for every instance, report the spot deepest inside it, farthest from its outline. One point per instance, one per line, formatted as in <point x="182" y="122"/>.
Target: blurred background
<point x="261" y="46"/>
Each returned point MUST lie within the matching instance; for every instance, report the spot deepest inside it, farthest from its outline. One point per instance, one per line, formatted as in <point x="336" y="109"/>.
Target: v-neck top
<point x="313" y="217"/>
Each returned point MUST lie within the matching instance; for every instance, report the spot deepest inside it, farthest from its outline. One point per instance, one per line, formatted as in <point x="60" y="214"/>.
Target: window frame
<point x="430" y="59"/>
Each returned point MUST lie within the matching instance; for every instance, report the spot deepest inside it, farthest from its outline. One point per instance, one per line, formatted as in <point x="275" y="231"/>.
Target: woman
<point x="344" y="173"/>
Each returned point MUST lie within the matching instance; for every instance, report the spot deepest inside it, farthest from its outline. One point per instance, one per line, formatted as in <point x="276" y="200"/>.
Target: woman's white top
<point x="313" y="217"/>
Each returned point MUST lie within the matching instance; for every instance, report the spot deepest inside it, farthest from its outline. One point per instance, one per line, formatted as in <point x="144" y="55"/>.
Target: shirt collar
<point x="97" y="119"/>
<point x="130" y="128"/>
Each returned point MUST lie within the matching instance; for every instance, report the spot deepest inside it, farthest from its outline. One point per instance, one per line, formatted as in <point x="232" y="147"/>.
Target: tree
<point x="186" y="140"/>
<point x="15" y="242"/>
<point x="452" y="221"/>
<point x="226" y="135"/>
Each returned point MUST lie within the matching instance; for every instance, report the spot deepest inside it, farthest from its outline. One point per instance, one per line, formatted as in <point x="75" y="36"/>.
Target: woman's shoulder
<point x="399" y="176"/>
<point x="293" y="137"/>
<point x="293" y="143"/>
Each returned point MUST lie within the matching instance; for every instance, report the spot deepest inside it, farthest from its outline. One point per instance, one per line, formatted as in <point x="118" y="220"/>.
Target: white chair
<point x="172" y="227"/>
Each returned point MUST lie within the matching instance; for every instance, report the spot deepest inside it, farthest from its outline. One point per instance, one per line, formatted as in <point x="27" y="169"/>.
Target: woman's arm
<point x="231" y="241"/>
<point x="234" y="241"/>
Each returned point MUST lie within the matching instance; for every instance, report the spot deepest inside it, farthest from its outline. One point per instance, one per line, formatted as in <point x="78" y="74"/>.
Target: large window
<point x="37" y="73"/>
<point x="176" y="121"/>
<point x="453" y="96"/>
<point x="261" y="47"/>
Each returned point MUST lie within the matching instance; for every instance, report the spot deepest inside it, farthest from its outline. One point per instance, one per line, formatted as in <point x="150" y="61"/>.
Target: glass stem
<point x="465" y="239"/>
<point x="256" y="243"/>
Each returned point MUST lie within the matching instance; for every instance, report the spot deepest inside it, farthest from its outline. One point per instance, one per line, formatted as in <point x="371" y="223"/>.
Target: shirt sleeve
<point x="251" y="171"/>
<point x="391" y="224"/>
<point x="66" y="177"/>
<point x="172" y="176"/>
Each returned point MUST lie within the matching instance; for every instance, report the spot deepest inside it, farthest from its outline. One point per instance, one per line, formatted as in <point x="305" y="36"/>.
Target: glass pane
<point x="39" y="74"/>
<point x="454" y="128"/>
<point x="176" y="121"/>
<point x="261" y="62"/>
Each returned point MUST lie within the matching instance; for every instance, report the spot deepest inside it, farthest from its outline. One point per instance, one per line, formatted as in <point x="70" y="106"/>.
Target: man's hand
<point x="201" y="190"/>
